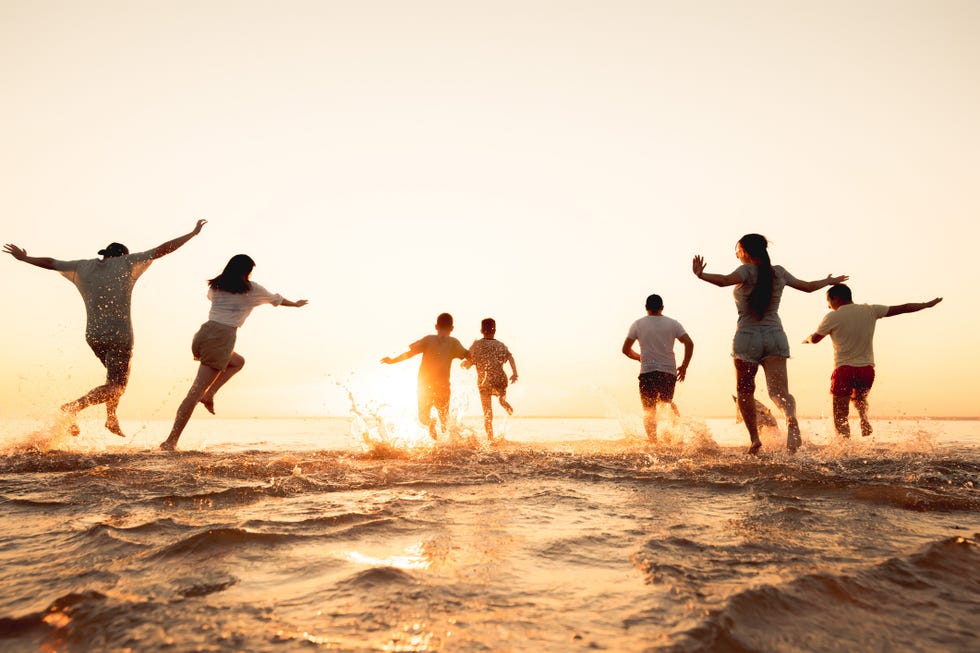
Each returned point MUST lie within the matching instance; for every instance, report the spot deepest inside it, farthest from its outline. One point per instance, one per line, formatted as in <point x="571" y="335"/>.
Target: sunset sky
<point x="548" y="164"/>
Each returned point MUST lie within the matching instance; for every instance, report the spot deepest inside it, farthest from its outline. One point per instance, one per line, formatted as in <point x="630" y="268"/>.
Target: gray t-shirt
<point x="749" y="273"/>
<point x="106" y="287"/>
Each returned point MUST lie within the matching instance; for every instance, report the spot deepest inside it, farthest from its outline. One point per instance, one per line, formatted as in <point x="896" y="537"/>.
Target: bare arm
<point x="813" y="338"/>
<point x="176" y="243"/>
<point x="629" y="351"/>
<point x="296" y="304"/>
<point x="911" y="308"/>
<point x="698" y="265"/>
<point x="688" y="352"/>
<point x="404" y="356"/>
<point x="513" y="368"/>
<point x="810" y="286"/>
<point x="45" y="262"/>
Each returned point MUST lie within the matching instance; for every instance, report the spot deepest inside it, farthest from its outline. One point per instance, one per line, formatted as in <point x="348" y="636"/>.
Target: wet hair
<point x="444" y="321"/>
<point x="839" y="292"/>
<point x="756" y="246"/>
<point x="654" y="303"/>
<point x="114" y="249"/>
<point x="488" y="324"/>
<point x="234" y="278"/>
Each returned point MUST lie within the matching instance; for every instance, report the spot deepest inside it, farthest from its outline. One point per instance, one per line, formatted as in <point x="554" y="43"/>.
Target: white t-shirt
<point x="106" y="287"/>
<point x="231" y="309"/>
<point x="852" y="328"/>
<point x="656" y="335"/>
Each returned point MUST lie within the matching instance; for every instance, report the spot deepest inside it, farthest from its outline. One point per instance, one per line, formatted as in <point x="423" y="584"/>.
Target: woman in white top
<point x="759" y="336"/>
<point x="232" y="297"/>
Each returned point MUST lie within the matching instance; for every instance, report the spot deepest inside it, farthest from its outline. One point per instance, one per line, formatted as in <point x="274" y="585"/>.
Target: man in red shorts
<point x="851" y="328"/>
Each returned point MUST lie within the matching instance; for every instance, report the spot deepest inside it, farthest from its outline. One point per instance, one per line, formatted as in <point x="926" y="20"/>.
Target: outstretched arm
<point x="404" y="356"/>
<point x="810" y="286"/>
<point x="45" y="262"/>
<point x="176" y="243"/>
<point x="911" y="308"/>
<point x="688" y="352"/>
<point x="698" y="265"/>
<point x="295" y="304"/>
<point x="813" y="338"/>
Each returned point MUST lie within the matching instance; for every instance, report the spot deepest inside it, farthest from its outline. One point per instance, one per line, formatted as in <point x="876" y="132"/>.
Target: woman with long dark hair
<point x="759" y="336"/>
<point x="233" y="296"/>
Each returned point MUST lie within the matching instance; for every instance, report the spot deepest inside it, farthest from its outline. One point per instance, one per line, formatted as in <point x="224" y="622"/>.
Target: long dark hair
<point x="756" y="246"/>
<point x="234" y="278"/>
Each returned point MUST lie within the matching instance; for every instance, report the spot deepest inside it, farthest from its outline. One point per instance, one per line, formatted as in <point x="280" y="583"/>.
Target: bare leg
<point x="506" y="406"/>
<point x="840" y="416"/>
<point x="109" y="394"/>
<point x="487" y="403"/>
<point x="861" y="403"/>
<point x="777" y="381"/>
<point x="111" y="404"/>
<point x="205" y="377"/>
<point x="235" y="365"/>
<point x="745" y="389"/>
<point x="650" y="422"/>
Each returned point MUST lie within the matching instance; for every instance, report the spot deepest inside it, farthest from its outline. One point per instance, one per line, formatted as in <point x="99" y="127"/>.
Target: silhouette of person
<point x="106" y="286"/>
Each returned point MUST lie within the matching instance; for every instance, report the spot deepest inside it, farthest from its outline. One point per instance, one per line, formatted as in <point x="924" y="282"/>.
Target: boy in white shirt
<point x="851" y="328"/>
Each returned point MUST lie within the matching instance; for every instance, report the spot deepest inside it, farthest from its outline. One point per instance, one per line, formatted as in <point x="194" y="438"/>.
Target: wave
<point x="217" y="540"/>
<point x="892" y="604"/>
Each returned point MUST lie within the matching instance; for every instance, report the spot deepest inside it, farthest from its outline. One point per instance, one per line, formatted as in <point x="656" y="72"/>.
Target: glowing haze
<point x="548" y="164"/>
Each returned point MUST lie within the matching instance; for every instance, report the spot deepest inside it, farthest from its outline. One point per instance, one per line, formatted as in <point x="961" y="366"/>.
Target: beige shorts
<point x="214" y="344"/>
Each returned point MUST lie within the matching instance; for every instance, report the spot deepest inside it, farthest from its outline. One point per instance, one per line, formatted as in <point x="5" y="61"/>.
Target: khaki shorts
<point x="214" y="344"/>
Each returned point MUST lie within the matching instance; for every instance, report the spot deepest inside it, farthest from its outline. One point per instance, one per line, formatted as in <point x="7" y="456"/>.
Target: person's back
<point x="438" y="352"/>
<point x="106" y="286"/>
<point x="656" y="335"/>
<point x="488" y="356"/>
<point x="851" y="329"/>
<point x="749" y="274"/>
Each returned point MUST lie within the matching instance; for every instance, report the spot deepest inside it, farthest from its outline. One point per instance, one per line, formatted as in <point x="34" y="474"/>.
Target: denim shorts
<point x="757" y="343"/>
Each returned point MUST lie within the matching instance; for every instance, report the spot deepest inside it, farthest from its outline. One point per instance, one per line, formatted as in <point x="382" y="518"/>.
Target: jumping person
<point x="233" y="296"/>
<point x="759" y="336"/>
<point x="851" y="328"/>
<point x="106" y="286"/>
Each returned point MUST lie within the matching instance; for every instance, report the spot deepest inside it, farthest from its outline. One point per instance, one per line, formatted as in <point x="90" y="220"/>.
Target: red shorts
<point x="847" y="381"/>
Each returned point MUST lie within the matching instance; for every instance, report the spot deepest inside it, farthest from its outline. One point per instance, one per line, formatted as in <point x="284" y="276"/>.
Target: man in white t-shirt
<point x="106" y="286"/>
<point x="851" y="328"/>
<point x="659" y="371"/>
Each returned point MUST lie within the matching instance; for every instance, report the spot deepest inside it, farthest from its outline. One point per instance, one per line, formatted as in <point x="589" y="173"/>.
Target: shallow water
<point x="569" y="535"/>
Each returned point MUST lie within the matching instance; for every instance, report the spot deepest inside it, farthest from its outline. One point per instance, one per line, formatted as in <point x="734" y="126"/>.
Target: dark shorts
<point x="214" y="344"/>
<point x="657" y="387"/>
<point x="847" y="381"/>
<point x="115" y="354"/>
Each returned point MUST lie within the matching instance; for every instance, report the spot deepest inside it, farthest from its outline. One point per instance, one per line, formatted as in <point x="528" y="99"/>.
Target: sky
<point x="548" y="164"/>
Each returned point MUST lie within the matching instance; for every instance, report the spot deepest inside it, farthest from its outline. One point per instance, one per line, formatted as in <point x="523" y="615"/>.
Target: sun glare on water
<point x="384" y="404"/>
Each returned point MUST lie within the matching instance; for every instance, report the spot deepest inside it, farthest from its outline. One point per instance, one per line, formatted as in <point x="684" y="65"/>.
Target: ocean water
<point x="567" y="535"/>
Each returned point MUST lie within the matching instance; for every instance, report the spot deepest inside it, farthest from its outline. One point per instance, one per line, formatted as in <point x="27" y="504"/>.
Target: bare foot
<point x="432" y="432"/>
<point x="73" y="429"/>
<point x="754" y="449"/>
<point x="507" y="407"/>
<point x="793" y="437"/>
<point x="167" y="445"/>
<point x="866" y="429"/>
<point x="209" y="404"/>
<point x="112" y="424"/>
